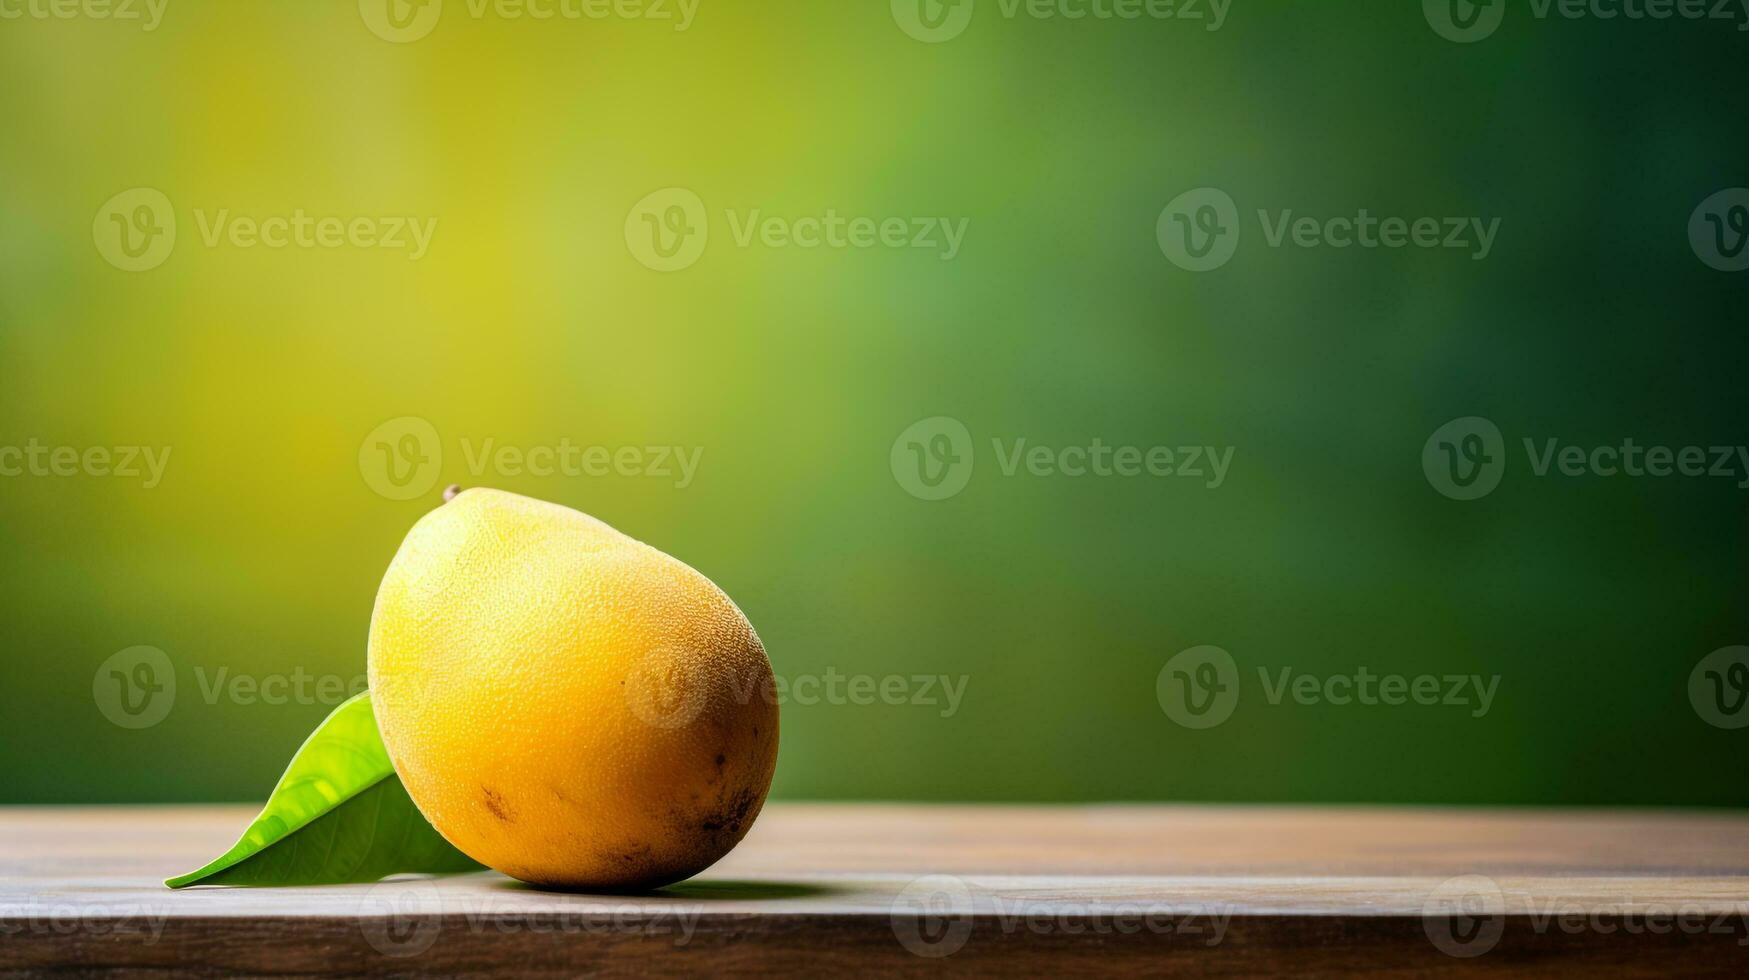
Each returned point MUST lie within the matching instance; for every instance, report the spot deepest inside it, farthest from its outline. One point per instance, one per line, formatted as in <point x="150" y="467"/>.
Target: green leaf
<point x="339" y="814"/>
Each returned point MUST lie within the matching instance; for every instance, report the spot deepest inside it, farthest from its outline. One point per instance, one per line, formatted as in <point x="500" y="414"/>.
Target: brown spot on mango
<point x="496" y="805"/>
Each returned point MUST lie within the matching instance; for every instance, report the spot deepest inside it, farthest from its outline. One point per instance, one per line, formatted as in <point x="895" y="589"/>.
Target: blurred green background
<point x="1055" y="600"/>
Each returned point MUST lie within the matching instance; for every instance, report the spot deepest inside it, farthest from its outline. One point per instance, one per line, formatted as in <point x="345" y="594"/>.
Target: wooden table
<point x="831" y="889"/>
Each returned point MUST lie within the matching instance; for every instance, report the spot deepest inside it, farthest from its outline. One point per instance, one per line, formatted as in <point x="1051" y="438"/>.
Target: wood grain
<point x="1112" y="890"/>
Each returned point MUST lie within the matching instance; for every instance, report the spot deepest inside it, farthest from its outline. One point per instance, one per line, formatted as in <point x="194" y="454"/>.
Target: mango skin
<point x="565" y="704"/>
